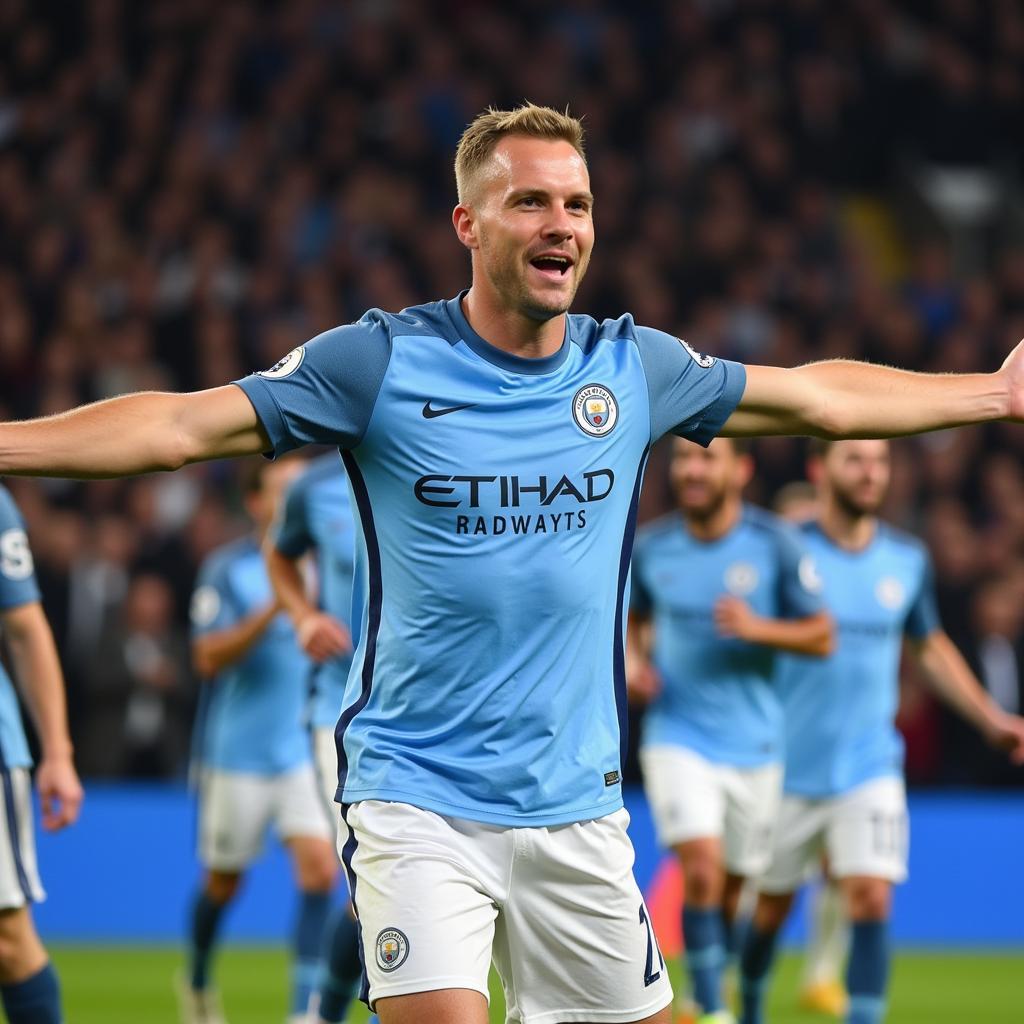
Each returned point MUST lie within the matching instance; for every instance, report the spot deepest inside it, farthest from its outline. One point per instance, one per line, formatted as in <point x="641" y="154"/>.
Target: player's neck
<point x="847" y="531"/>
<point x="718" y="524"/>
<point x="510" y="331"/>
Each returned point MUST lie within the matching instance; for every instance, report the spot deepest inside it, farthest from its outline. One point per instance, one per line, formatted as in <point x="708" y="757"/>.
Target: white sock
<point x="829" y="938"/>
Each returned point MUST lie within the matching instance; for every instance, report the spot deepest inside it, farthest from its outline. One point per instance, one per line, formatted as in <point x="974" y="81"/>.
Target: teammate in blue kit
<point x="315" y="515"/>
<point x="719" y="588"/>
<point x="29" y="989"/>
<point x="254" y="752"/>
<point x="495" y="446"/>
<point x="844" y="793"/>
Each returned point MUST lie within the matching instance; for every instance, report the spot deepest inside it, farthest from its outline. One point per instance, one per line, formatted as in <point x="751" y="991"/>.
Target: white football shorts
<point x="237" y="808"/>
<point x="19" y="873"/>
<point x="325" y="761"/>
<point x="693" y="798"/>
<point x="556" y="907"/>
<point x="863" y="832"/>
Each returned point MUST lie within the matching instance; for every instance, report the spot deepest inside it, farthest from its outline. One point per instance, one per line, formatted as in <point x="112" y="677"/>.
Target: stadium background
<point x="188" y="190"/>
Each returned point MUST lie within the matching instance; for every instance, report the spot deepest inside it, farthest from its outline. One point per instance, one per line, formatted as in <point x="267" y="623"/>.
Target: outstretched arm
<point x="135" y="433"/>
<point x="37" y="670"/>
<point x="810" y="635"/>
<point x="952" y="678"/>
<point x="842" y="399"/>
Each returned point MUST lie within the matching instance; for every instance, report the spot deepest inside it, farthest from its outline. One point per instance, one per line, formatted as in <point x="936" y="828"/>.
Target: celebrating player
<point x="29" y="988"/>
<point x="316" y="515"/>
<point x="844" y="792"/>
<point x="495" y="446"/>
<point x="255" y="756"/>
<point x="725" y="586"/>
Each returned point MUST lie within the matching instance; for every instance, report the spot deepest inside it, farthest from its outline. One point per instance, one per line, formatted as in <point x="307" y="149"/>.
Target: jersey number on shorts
<point x="650" y="974"/>
<point x="888" y="833"/>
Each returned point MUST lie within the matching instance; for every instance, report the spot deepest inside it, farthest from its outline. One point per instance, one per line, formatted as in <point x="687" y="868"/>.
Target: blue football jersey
<point x="316" y="515"/>
<point x="840" y="711"/>
<point x="17" y="587"/>
<point x="495" y="502"/>
<point x="718" y="695"/>
<point x="253" y="719"/>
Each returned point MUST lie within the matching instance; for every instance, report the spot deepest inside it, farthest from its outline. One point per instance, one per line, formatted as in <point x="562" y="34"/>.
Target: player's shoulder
<point x="322" y="470"/>
<point x="760" y="520"/>
<point x="382" y="326"/>
<point x="222" y="559"/>
<point x="588" y="333"/>
<point x="657" y="531"/>
<point x="902" y="541"/>
<point x="10" y="515"/>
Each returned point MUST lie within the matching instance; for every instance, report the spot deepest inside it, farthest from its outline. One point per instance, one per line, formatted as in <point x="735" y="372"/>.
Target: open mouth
<point x="554" y="267"/>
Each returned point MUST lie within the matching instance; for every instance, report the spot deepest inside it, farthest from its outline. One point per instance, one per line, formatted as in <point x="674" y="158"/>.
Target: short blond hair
<point x="489" y="128"/>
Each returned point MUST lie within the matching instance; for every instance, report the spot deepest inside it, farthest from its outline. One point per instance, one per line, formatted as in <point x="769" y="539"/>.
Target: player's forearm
<point x="288" y="583"/>
<point x="215" y="651"/>
<point x="812" y="636"/>
<point x="39" y="676"/>
<point x="845" y="399"/>
<point x="137" y="433"/>
<point x="952" y="679"/>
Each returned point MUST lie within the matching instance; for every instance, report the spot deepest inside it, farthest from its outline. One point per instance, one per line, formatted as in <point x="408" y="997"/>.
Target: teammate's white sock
<point x="829" y="939"/>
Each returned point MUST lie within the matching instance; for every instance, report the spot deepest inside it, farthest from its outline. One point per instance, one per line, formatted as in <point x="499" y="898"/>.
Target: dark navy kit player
<point x="498" y="655"/>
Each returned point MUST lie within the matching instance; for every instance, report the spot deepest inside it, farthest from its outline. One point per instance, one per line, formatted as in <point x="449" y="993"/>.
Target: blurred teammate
<point x="29" y="988"/>
<point x="495" y="447"/>
<point x="316" y="515"/>
<point x="725" y="586"/>
<point x="256" y="769"/>
<point x="844" y="792"/>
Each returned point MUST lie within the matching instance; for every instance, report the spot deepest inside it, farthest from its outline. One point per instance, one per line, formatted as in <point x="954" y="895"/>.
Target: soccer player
<point x="718" y="588"/>
<point x="495" y="446"/>
<point x="315" y="515"/>
<point x="29" y="988"/>
<point x="254" y="750"/>
<point x="844" y="792"/>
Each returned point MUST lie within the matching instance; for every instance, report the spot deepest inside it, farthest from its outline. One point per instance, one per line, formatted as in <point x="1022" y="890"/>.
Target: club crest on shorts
<point x="392" y="949"/>
<point x="286" y="366"/>
<point x="595" y="410"/>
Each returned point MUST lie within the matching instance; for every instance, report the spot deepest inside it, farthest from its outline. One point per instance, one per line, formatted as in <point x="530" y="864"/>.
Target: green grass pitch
<point x="133" y="985"/>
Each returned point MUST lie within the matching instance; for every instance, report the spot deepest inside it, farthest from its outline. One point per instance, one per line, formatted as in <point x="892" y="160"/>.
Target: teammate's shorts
<point x="557" y="908"/>
<point x="693" y="798"/>
<point x="19" y="873"/>
<point x="237" y="808"/>
<point x="325" y="761"/>
<point x="863" y="832"/>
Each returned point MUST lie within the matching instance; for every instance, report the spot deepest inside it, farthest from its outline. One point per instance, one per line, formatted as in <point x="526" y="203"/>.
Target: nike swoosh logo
<point x="429" y="412"/>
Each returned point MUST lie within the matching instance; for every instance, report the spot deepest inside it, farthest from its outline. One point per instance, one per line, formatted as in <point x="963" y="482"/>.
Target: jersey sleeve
<point x="17" y="569"/>
<point x="290" y="532"/>
<point x="923" y="614"/>
<point x="691" y="395"/>
<point x="323" y="392"/>
<point x="800" y="588"/>
<point x="213" y="606"/>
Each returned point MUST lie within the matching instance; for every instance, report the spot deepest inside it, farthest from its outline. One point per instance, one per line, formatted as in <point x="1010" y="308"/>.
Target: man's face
<point x="532" y="225"/>
<point x="704" y="478"/>
<point x="274" y="480"/>
<point x="856" y="474"/>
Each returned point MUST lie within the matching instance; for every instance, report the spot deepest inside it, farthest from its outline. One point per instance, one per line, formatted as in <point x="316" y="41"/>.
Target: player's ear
<point x="744" y="469"/>
<point x="815" y="470"/>
<point x="464" y="222"/>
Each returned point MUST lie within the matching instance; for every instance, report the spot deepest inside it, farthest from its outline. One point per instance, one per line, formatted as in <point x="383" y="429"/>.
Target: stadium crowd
<point x="188" y="190"/>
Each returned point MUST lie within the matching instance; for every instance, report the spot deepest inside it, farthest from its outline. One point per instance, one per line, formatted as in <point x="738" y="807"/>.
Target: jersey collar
<point x="499" y="357"/>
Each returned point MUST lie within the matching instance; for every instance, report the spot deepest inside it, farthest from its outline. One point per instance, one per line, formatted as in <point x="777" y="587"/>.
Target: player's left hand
<point x="734" y="618"/>
<point x="1006" y="732"/>
<point x="60" y="792"/>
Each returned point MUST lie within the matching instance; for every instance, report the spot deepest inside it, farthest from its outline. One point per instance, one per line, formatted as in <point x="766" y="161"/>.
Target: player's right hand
<point x="323" y="637"/>
<point x="60" y="792"/>
<point x="643" y="683"/>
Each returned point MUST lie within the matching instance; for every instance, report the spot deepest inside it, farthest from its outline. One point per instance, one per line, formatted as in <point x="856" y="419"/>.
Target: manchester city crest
<point x="890" y="593"/>
<point x="595" y="410"/>
<point x="741" y="579"/>
<point x="392" y="949"/>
